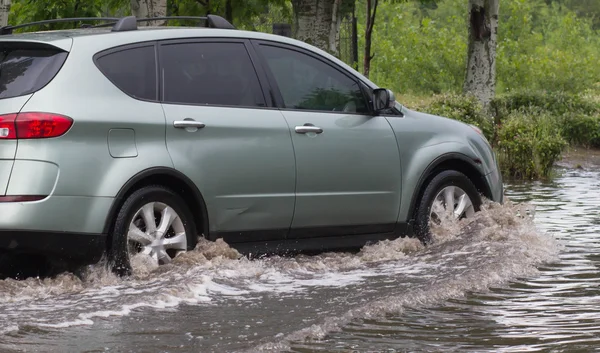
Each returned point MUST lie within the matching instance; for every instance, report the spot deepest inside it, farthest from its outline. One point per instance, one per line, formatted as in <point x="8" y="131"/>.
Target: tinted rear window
<point x="26" y="70"/>
<point x="210" y="73"/>
<point x="133" y="70"/>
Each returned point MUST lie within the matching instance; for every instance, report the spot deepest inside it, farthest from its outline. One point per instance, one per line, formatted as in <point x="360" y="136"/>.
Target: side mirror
<point x="383" y="99"/>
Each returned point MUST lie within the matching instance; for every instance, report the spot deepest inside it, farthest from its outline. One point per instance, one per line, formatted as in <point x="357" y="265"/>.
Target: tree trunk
<point x="318" y="23"/>
<point x="334" y="33"/>
<point x="480" y="79"/>
<point x="149" y="8"/>
<point x="229" y="11"/>
<point x="371" y="14"/>
<point x="4" y="10"/>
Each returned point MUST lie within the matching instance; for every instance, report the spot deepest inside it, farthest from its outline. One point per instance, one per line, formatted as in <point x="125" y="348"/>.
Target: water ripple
<point x="558" y="309"/>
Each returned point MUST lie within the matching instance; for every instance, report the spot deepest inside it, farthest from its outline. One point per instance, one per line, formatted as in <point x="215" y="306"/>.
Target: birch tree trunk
<point x="318" y="23"/>
<point x="480" y="78"/>
<point x="149" y="8"/>
<point x="4" y="10"/>
<point x="334" y="33"/>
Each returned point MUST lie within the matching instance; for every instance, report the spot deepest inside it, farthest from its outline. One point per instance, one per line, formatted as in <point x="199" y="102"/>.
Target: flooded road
<point x="520" y="277"/>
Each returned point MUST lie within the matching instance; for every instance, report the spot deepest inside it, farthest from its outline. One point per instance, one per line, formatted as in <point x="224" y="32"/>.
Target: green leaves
<point x="37" y="10"/>
<point x="246" y="14"/>
<point x="528" y="129"/>
<point x="529" y="145"/>
<point x="421" y="50"/>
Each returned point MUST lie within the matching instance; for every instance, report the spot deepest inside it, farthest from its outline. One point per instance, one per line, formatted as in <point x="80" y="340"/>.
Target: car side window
<point x="209" y="73"/>
<point x="132" y="70"/>
<point x="311" y="84"/>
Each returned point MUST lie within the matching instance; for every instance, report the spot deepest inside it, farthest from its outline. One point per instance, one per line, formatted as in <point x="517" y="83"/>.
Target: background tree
<point x="4" y="11"/>
<point x="317" y="22"/>
<point x="149" y="8"/>
<point x="480" y="79"/>
<point x="370" y="23"/>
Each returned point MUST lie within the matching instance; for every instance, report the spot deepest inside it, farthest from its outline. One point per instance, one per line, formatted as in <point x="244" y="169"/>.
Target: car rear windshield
<point x="25" y="69"/>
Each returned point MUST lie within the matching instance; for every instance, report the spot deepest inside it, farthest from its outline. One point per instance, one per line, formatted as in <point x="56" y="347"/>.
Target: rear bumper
<point x="72" y="246"/>
<point x="73" y="214"/>
<point x="65" y="226"/>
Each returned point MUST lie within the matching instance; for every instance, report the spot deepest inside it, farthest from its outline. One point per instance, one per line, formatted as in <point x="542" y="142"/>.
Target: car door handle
<point x="182" y="124"/>
<point x="307" y="128"/>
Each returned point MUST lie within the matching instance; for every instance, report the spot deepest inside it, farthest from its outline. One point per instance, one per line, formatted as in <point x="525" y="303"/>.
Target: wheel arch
<point x="170" y="178"/>
<point x="450" y="161"/>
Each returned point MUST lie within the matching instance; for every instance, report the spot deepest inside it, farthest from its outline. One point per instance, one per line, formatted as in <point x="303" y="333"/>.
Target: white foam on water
<point x="8" y="329"/>
<point x="66" y="324"/>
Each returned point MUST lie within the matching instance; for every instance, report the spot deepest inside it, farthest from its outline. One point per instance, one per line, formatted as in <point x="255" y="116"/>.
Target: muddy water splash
<point x="326" y="291"/>
<point x="499" y="244"/>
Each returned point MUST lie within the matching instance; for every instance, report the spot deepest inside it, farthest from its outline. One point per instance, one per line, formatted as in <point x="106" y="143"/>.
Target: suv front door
<point x="221" y="134"/>
<point x="347" y="160"/>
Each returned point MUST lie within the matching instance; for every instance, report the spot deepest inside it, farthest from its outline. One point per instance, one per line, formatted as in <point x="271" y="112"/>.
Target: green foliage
<point x="414" y="53"/>
<point x="538" y="124"/>
<point x="246" y="14"/>
<point x="541" y="46"/>
<point x="546" y="47"/>
<point x="555" y="103"/>
<point x="529" y="130"/>
<point x="584" y="8"/>
<point x="463" y="108"/>
<point x="581" y="129"/>
<point x="22" y="11"/>
<point x="529" y="145"/>
<point x="578" y="116"/>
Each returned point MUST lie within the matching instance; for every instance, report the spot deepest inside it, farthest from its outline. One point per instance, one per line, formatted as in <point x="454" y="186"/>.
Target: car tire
<point x="159" y="204"/>
<point x="451" y="182"/>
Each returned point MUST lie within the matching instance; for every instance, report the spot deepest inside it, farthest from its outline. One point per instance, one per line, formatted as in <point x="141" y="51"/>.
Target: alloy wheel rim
<point x="157" y="231"/>
<point x="461" y="205"/>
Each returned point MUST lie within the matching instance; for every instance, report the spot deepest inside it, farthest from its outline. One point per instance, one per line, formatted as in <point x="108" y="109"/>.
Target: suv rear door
<point x="223" y="136"/>
<point x="25" y="67"/>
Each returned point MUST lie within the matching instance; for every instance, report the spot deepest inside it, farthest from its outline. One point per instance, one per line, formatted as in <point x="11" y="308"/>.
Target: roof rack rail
<point x="9" y="28"/>
<point x="121" y="24"/>
<point x="130" y="22"/>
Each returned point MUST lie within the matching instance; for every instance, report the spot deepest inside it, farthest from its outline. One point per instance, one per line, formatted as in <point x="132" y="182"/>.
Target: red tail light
<point x="33" y="125"/>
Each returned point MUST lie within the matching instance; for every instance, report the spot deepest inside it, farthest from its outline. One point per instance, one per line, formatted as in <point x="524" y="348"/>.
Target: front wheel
<point x="450" y="194"/>
<point x="153" y="221"/>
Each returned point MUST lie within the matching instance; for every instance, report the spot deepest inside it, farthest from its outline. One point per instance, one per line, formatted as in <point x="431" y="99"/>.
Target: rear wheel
<point x="153" y="221"/>
<point x="450" y="194"/>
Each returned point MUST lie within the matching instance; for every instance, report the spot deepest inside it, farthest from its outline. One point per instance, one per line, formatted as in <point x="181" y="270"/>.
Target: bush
<point x="554" y="103"/>
<point x="529" y="130"/>
<point x="577" y="116"/>
<point x="529" y="145"/>
<point x="581" y="129"/>
<point x="462" y="108"/>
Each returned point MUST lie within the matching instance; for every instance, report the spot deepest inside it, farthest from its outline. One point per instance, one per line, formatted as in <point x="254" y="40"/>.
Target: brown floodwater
<point x="519" y="277"/>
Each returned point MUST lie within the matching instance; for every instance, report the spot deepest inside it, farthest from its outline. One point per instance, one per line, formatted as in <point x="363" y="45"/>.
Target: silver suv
<point x="133" y="141"/>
